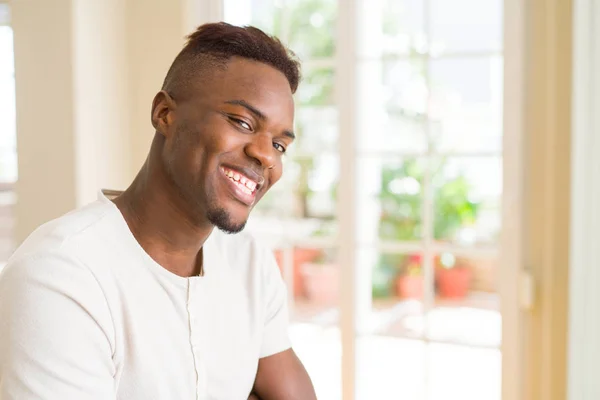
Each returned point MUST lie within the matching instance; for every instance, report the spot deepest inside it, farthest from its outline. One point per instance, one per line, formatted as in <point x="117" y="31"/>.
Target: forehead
<point x="259" y="84"/>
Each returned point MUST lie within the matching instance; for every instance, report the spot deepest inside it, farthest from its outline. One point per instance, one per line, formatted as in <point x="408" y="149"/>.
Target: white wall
<point x="584" y="307"/>
<point x="101" y="97"/>
<point x="43" y="35"/>
<point x="155" y="33"/>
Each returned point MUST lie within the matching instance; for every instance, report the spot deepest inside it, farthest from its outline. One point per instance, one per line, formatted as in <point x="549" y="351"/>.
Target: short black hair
<point x="214" y="44"/>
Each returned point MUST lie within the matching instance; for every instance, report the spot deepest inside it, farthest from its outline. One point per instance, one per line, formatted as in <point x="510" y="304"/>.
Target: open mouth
<point x="243" y="187"/>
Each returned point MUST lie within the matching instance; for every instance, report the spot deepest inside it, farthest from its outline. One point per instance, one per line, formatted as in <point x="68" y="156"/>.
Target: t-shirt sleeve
<point x="56" y="333"/>
<point x="276" y="335"/>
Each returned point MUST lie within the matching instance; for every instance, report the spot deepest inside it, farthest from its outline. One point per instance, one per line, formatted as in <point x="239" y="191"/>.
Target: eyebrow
<point x="259" y="114"/>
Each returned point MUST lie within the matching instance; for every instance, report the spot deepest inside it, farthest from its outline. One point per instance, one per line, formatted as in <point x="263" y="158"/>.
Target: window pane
<point x="395" y="113"/>
<point x="391" y="368"/>
<point x="390" y="198"/>
<point x="307" y="190"/>
<point x="316" y="88"/>
<point x="394" y="318"/>
<point x="310" y="29"/>
<point x="8" y="132"/>
<point x="317" y="286"/>
<point x="467" y="195"/>
<point x="467" y="307"/>
<point x="314" y="281"/>
<point x="392" y="28"/>
<point x="461" y="372"/>
<point x="306" y="26"/>
<point x="398" y="293"/>
<point x="466" y="25"/>
<point x="320" y="351"/>
<point x="465" y="107"/>
<point x="403" y="26"/>
<point x="465" y="311"/>
<point x="4" y="14"/>
<point x="321" y="189"/>
<point x="316" y="114"/>
<point x="281" y="199"/>
<point x="266" y="15"/>
<point x="315" y="314"/>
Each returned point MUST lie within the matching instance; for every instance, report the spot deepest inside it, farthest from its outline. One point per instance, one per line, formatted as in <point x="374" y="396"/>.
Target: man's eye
<point x="243" y="124"/>
<point x="279" y="147"/>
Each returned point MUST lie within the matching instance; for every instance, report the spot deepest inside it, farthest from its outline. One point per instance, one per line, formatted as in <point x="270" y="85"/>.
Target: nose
<point x="261" y="149"/>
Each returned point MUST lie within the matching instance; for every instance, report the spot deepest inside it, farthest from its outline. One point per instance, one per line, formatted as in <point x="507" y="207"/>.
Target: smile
<point x="243" y="187"/>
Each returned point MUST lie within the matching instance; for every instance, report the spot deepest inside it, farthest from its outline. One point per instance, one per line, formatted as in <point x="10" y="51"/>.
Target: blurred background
<point x="428" y="183"/>
<point x="434" y="230"/>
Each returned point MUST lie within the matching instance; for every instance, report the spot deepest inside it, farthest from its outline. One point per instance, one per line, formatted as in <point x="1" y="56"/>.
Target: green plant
<point x="401" y="217"/>
<point x="402" y="202"/>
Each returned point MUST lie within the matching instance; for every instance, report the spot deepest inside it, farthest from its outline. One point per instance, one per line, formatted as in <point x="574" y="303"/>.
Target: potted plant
<point x="409" y="284"/>
<point x="455" y="210"/>
<point x="453" y="278"/>
<point x="401" y="220"/>
<point x="321" y="279"/>
<point x="300" y="256"/>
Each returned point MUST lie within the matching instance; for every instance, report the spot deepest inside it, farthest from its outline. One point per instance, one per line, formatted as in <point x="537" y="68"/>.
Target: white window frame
<point x="510" y="262"/>
<point x="511" y="266"/>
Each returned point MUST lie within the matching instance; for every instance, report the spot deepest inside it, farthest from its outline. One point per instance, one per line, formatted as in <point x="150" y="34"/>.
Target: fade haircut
<point x="213" y="45"/>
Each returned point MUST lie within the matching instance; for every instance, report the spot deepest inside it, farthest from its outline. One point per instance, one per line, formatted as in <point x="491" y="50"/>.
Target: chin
<point x="227" y="221"/>
<point x="231" y="228"/>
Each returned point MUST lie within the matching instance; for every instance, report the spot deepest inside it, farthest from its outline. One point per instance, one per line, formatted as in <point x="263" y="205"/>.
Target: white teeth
<point x="247" y="185"/>
<point x="243" y="188"/>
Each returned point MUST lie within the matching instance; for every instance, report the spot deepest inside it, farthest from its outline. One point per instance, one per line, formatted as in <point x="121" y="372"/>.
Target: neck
<point x="161" y="222"/>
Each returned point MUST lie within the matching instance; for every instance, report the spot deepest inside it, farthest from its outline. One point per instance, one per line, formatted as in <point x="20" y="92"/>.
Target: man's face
<point x="227" y="139"/>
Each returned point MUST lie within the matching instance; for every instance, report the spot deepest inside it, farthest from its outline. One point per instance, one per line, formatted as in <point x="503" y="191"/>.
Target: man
<point x="140" y="298"/>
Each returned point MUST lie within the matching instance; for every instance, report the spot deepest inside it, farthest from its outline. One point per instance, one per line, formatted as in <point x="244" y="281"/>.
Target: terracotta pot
<point x="409" y="286"/>
<point x="454" y="282"/>
<point x="301" y="256"/>
<point x="321" y="283"/>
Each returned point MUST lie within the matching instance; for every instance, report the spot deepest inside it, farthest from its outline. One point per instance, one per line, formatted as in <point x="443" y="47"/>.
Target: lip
<point x="247" y="199"/>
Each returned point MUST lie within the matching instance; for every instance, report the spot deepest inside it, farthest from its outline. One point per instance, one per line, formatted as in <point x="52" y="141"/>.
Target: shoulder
<point x="60" y="234"/>
<point x="37" y="274"/>
<point x="55" y="250"/>
<point x="52" y="281"/>
<point x="48" y="296"/>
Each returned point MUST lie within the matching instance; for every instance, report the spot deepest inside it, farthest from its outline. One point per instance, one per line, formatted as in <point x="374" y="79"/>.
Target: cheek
<point x="186" y="163"/>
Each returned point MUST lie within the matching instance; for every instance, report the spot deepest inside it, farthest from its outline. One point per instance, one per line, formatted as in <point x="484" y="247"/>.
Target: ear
<point x="163" y="106"/>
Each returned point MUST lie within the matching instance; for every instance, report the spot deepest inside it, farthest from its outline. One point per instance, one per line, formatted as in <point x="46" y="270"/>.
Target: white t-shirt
<point x="85" y="313"/>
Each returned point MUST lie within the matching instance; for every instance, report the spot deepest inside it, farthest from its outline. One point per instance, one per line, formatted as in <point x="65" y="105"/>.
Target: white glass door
<point x="422" y="129"/>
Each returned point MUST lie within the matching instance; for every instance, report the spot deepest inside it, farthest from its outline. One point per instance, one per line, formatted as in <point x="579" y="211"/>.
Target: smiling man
<point x="139" y="297"/>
